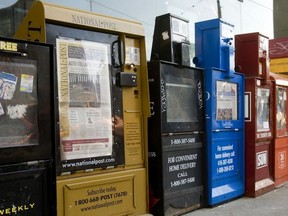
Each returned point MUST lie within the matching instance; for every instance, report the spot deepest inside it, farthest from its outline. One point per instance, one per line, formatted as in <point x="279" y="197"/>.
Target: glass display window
<point x="18" y="102"/>
<point x="263" y="109"/>
<point x="281" y="111"/>
<point x="84" y="99"/>
<point x="226" y="101"/>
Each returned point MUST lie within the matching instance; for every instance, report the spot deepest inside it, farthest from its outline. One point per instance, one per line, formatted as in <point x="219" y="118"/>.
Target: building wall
<point x="246" y="15"/>
<point x="280" y="18"/>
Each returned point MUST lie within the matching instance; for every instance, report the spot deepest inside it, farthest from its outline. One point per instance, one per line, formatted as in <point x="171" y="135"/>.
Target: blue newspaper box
<point x="224" y="111"/>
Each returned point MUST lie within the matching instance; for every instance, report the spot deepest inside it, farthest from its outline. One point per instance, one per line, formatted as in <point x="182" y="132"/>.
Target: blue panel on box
<point x="226" y="169"/>
<point x="225" y="153"/>
<point x="214" y="44"/>
<point x="225" y="135"/>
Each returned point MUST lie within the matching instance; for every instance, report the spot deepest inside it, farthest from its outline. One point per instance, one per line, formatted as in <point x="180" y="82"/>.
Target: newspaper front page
<point x="84" y="98"/>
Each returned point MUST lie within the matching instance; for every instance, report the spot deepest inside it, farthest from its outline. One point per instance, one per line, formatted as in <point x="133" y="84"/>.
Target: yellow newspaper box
<point x="101" y="109"/>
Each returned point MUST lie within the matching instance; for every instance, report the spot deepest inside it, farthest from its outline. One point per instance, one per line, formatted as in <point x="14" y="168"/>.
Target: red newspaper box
<point x="251" y="51"/>
<point x="281" y="128"/>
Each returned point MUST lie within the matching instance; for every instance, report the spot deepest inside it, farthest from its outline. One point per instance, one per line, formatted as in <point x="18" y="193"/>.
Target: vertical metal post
<point x="240" y="1"/>
<point x="219" y="9"/>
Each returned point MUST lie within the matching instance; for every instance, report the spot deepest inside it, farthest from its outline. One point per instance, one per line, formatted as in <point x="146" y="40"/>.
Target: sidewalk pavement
<point x="272" y="203"/>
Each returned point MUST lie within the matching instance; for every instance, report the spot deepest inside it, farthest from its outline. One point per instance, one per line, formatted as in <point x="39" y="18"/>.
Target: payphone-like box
<point x="27" y="165"/>
<point x="224" y="109"/>
<point x="214" y="44"/>
<point x="171" y="40"/>
<point x="102" y="105"/>
<point x="251" y="58"/>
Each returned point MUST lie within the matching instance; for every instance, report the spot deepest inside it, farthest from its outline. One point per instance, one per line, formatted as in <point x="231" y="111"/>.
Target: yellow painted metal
<point x="116" y="191"/>
<point x="33" y="25"/>
<point x="279" y="66"/>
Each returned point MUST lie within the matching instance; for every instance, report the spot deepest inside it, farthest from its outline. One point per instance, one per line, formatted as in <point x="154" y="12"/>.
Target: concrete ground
<point x="272" y="203"/>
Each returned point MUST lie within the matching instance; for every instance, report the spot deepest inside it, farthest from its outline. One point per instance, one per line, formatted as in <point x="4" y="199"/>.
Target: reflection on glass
<point x="84" y="89"/>
<point x="226" y="102"/>
<point x="281" y="100"/>
<point x="263" y="112"/>
<point x="182" y="101"/>
<point x="18" y="102"/>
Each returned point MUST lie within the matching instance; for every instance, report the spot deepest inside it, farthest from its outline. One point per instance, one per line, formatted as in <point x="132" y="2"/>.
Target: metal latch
<point x="127" y="79"/>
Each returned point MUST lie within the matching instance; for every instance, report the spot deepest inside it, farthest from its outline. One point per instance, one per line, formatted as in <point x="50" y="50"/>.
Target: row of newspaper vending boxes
<point x="78" y="122"/>
<point x="243" y="142"/>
